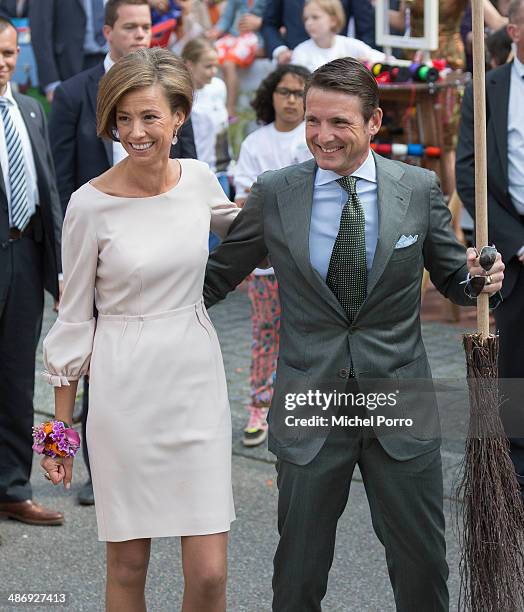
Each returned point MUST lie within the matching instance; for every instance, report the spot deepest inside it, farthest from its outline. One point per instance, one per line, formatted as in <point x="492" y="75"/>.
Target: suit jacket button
<point x="343" y="373"/>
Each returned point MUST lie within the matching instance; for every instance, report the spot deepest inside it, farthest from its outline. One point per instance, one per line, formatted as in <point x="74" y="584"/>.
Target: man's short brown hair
<point x="112" y="6"/>
<point x="348" y="76"/>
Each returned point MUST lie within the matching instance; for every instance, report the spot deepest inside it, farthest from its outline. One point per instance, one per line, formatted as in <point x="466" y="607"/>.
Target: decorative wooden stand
<point x="422" y="107"/>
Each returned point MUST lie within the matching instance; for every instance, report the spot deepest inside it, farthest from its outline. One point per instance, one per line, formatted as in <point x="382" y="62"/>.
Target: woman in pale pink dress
<point x="159" y="428"/>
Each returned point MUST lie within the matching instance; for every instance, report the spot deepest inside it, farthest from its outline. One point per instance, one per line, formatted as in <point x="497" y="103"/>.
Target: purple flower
<point x="72" y="438"/>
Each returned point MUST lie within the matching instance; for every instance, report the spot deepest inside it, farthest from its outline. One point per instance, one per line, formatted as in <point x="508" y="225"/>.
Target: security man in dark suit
<point x="66" y="37"/>
<point x="13" y="8"/>
<point x="30" y="226"/>
<point x="79" y="154"/>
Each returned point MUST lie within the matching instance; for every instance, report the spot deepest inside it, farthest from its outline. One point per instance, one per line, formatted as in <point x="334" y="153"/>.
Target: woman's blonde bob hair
<point x="334" y="9"/>
<point x="142" y="68"/>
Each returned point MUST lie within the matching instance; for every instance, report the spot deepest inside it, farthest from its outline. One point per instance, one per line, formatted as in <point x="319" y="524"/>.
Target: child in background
<point x="322" y="20"/>
<point x="278" y="104"/>
<point x="239" y="43"/>
<point x="209" y="113"/>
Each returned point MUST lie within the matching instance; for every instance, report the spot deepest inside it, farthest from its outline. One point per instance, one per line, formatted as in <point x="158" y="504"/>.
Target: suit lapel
<point x="92" y="91"/>
<point x="393" y="200"/>
<point x="295" y="203"/>
<point x="499" y="83"/>
<point x="38" y="144"/>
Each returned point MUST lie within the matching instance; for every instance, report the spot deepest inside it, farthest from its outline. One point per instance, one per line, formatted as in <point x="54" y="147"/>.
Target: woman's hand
<point x="58" y="469"/>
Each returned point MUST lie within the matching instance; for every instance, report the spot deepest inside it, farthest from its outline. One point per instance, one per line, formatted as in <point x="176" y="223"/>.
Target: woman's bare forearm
<point x="65" y="402"/>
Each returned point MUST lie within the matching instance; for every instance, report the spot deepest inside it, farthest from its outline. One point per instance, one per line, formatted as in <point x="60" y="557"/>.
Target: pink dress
<point x="159" y="425"/>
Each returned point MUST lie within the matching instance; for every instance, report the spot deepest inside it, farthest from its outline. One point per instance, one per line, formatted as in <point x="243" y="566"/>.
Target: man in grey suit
<point x="349" y="234"/>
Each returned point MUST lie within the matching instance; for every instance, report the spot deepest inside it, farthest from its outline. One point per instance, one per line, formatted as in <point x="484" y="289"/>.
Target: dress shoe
<point x="85" y="495"/>
<point x="30" y="512"/>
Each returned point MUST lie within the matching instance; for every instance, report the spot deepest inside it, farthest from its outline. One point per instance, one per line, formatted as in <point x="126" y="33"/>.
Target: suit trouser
<point x="406" y="503"/>
<point x="510" y="325"/>
<point x="21" y="307"/>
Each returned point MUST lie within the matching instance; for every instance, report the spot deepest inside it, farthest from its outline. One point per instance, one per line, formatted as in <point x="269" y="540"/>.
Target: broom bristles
<point x="492" y="534"/>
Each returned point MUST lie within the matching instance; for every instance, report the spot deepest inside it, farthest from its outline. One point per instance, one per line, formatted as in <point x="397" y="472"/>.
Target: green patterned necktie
<point x="347" y="272"/>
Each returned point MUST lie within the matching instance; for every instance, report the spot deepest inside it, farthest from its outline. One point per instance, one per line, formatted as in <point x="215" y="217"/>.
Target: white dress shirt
<point x="119" y="153"/>
<point x="329" y="198"/>
<point x="516" y="137"/>
<point x="29" y="160"/>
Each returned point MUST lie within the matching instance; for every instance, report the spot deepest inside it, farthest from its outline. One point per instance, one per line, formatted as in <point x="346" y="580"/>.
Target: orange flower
<point x="54" y="447"/>
<point x="48" y="428"/>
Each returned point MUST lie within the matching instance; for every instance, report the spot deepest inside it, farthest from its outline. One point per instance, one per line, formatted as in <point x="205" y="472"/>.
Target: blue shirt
<point x="329" y="199"/>
<point x="91" y="46"/>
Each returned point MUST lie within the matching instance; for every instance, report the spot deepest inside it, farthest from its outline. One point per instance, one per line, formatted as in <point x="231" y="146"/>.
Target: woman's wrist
<point x="55" y="439"/>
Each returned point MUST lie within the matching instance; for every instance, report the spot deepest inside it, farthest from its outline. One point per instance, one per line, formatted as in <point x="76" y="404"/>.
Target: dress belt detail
<point x="166" y="314"/>
<point x="141" y="319"/>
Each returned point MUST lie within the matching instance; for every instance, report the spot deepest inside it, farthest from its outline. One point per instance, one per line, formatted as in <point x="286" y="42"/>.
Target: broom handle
<point x="481" y="183"/>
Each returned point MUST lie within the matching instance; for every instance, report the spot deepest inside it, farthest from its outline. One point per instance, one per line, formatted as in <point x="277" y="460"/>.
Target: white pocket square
<point x="405" y="241"/>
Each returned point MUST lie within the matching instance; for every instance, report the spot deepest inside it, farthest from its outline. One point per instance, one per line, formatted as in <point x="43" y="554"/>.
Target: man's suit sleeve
<point x="240" y="252"/>
<point x="54" y="199"/>
<point x="185" y="147"/>
<point x="8" y="9"/>
<point x="41" y="21"/>
<point x="63" y="123"/>
<point x="271" y="24"/>
<point x="465" y="163"/>
<point x="444" y="256"/>
<point x="505" y="231"/>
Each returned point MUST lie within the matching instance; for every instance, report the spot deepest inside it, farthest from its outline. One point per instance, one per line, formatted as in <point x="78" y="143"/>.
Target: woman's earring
<point x="115" y="133"/>
<point x="175" y="139"/>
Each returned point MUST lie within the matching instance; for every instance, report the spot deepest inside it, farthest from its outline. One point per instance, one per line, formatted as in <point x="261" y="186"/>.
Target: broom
<point x="492" y="535"/>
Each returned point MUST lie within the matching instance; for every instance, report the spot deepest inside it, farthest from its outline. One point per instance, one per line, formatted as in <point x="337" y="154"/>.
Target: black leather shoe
<point x="85" y="495"/>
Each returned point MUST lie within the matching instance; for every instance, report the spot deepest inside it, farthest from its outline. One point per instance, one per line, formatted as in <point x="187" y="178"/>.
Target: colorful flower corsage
<point x="55" y="439"/>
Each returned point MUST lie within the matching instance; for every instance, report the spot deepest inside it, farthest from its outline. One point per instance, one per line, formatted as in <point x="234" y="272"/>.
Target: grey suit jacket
<point x="317" y="342"/>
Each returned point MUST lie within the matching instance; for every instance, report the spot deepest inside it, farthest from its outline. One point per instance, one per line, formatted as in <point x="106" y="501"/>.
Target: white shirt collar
<point x="518" y="66"/>
<point x="8" y="94"/>
<point x="108" y="63"/>
<point x="367" y="171"/>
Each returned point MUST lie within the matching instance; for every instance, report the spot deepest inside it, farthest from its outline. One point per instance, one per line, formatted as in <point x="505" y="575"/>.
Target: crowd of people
<point x="135" y="154"/>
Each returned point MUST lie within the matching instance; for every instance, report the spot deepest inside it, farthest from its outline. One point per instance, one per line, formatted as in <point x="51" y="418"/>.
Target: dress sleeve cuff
<point x="57" y="380"/>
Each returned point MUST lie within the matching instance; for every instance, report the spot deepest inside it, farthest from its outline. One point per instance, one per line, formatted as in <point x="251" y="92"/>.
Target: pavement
<point x="70" y="560"/>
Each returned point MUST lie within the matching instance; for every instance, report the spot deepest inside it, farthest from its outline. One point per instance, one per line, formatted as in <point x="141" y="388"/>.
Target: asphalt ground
<point x="70" y="560"/>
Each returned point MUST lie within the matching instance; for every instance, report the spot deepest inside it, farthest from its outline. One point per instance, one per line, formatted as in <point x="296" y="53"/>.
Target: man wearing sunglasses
<point x="349" y="234"/>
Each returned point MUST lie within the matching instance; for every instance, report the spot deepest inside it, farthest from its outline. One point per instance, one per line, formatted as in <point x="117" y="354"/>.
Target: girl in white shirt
<point x="280" y="142"/>
<point x="209" y="114"/>
<point x="322" y="20"/>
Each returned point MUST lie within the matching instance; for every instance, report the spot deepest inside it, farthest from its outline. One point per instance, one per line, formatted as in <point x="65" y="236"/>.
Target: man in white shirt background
<point x="30" y="227"/>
